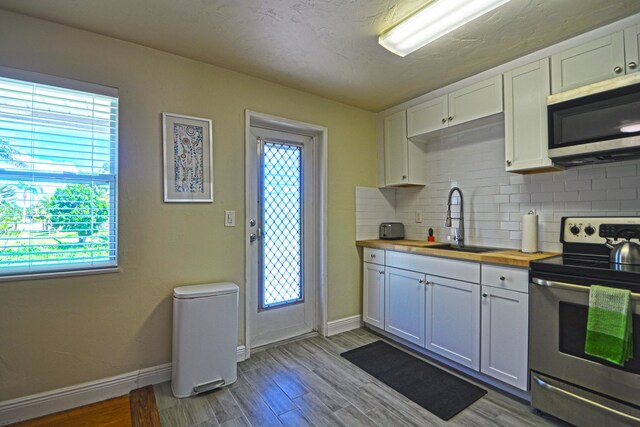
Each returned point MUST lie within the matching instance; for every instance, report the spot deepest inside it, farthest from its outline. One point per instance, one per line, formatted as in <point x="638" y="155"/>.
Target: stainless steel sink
<point x="472" y="249"/>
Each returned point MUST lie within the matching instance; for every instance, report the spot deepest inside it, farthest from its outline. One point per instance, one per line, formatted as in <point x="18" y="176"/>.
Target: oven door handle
<point x="569" y="286"/>
<point x="584" y="400"/>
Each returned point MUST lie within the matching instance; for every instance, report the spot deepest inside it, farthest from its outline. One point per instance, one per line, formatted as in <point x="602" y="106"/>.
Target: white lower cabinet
<point x="453" y="320"/>
<point x="505" y="335"/>
<point x="373" y="295"/>
<point x="405" y="304"/>
<point x="476" y="316"/>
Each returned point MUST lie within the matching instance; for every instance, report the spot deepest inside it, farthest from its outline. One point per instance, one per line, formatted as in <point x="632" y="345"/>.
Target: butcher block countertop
<point x="511" y="257"/>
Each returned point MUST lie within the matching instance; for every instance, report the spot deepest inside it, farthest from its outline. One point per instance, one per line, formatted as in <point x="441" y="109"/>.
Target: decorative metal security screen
<point x="280" y="205"/>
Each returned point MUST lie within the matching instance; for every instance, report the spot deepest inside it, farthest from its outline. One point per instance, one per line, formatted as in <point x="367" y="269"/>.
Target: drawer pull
<point x="502" y="278"/>
<point x="484" y="295"/>
<point x="373" y="255"/>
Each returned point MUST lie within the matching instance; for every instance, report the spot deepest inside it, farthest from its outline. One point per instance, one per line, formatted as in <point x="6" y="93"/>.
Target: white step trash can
<point x="205" y="336"/>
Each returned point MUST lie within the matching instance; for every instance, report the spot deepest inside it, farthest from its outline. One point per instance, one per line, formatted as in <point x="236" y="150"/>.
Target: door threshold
<point x="285" y="341"/>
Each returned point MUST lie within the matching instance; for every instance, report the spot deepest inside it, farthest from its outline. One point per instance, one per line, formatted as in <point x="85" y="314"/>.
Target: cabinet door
<point x="632" y="48"/>
<point x="591" y="62"/>
<point x="427" y="117"/>
<point x="473" y="102"/>
<point x="525" y="116"/>
<point x="395" y="149"/>
<point x="373" y="295"/>
<point x="505" y="335"/>
<point x="404" y="304"/>
<point x="453" y="320"/>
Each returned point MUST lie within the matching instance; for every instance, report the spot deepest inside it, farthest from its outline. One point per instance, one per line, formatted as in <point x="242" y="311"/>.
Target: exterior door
<point x="282" y="224"/>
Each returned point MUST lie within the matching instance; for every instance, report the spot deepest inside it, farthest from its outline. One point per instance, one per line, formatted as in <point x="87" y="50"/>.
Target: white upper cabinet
<point x="473" y="102"/>
<point x="605" y="58"/>
<point x="632" y="48"/>
<point x="404" y="160"/>
<point x="428" y="116"/>
<point x="525" y="117"/>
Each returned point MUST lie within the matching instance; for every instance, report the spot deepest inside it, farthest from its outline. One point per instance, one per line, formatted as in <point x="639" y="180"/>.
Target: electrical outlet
<point x="229" y="218"/>
<point x="418" y="215"/>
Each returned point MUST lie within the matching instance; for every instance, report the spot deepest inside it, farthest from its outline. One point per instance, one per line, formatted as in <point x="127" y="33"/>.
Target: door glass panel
<point x="573" y="332"/>
<point x="281" y="184"/>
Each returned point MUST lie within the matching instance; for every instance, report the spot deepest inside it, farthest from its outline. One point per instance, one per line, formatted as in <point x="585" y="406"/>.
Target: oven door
<point x="558" y="329"/>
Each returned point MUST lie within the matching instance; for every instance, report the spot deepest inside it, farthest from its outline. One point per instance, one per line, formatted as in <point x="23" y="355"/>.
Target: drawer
<point x="515" y="279"/>
<point x="469" y="271"/>
<point x="374" y="256"/>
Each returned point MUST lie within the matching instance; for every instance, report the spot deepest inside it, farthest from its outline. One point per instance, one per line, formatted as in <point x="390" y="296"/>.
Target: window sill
<point x="54" y="275"/>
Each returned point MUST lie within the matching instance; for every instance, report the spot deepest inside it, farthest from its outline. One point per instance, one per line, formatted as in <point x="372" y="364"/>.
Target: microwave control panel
<point x="596" y="230"/>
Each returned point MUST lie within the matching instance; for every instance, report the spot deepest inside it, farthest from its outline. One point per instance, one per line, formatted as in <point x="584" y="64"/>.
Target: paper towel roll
<point x="530" y="233"/>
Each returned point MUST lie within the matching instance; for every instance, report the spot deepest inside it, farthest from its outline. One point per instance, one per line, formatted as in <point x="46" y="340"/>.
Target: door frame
<point x="321" y="136"/>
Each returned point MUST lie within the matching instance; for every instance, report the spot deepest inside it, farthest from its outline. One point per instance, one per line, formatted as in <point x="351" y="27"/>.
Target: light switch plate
<point x="418" y="215"/>
<point x="229" y="218"/>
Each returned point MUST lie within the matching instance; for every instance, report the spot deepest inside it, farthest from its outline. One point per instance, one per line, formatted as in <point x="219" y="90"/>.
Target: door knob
<point x="253" y="237"/>
<point x="617" y="70"/>
<point x="252" y="222"/>
<point x="632" y="65"/>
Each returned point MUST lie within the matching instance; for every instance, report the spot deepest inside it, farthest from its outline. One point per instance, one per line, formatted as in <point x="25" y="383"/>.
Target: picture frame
<point x="187" y="152"/>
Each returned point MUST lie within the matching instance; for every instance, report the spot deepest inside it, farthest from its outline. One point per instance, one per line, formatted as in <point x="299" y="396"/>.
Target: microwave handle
<point x="569" y="286"/>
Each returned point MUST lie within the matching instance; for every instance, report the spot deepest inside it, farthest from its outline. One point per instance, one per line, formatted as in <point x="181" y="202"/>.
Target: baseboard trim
<point x="343" y="325"/>
<point x="241" y="354"/>
<point x="49" y="402"/>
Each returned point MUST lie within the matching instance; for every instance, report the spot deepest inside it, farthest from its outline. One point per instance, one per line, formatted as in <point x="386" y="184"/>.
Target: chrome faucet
<point x="458" y="232"/>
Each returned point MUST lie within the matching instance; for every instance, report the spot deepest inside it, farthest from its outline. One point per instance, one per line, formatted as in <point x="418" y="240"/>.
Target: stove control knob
<point x="574" y="230"/>
<point x="589" y="230"/>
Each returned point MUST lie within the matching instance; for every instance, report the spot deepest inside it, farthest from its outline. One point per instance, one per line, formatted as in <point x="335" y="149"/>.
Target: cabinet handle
<point x="404" y="177"/>
<point x="373" y="255"/>
<point x="632" y="65"/>
<point x="451" y="118"/>
<point x="617" y="70"/>
<point x="508" y="162"/>
<point x="444" y="120"/>
<point x="502" y="278"/>
<point x="484" y="295"/>
<point x="382" y="272"/>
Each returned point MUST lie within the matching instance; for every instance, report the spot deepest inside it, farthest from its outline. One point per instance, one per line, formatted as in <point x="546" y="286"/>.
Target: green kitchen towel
<point x="609" y="325"/>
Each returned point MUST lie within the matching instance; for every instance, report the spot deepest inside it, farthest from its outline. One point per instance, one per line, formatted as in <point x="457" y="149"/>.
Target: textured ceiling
<point x="329" y="47"/>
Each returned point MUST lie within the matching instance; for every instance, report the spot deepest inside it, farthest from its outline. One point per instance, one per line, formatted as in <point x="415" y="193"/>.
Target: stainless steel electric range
<point x="565" y="382"/>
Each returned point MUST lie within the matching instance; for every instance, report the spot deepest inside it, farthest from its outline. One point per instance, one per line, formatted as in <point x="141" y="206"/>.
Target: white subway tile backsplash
<point x="495" y="200"/>
<point x="572" y="185"/>
<point x="622" y="194"/>
<point x="605" y="183"/>
<point x="618" y="171"/>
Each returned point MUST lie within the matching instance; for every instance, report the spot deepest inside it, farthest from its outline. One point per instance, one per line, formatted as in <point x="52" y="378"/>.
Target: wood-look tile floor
<point x="307" y="383"/>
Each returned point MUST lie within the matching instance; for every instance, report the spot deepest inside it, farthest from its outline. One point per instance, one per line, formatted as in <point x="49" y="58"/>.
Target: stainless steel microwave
<point x="598" y="123"/>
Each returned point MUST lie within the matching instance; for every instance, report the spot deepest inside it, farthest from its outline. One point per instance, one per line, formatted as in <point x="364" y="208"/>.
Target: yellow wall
<point x="61" y="332"/>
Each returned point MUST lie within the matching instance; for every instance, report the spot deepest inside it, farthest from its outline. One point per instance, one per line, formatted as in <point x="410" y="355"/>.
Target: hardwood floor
<point x="307" y="383"/>
<point x="138" y="409"/>
<point x="114" y="412"/>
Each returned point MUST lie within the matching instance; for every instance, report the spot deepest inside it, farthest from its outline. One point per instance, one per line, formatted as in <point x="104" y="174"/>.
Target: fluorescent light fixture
<point x="630" y="128"/>
<point x="434" y="21"/>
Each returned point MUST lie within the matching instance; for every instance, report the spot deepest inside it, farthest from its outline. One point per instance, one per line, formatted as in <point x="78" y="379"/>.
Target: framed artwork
<point x="188" y="158"/>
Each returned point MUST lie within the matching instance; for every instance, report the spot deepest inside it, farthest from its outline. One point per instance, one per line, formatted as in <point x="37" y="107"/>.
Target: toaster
<point x="392" y="230"/>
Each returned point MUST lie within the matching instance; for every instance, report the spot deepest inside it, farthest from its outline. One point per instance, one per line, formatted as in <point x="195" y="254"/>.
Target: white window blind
<point x="58" y="178"/>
